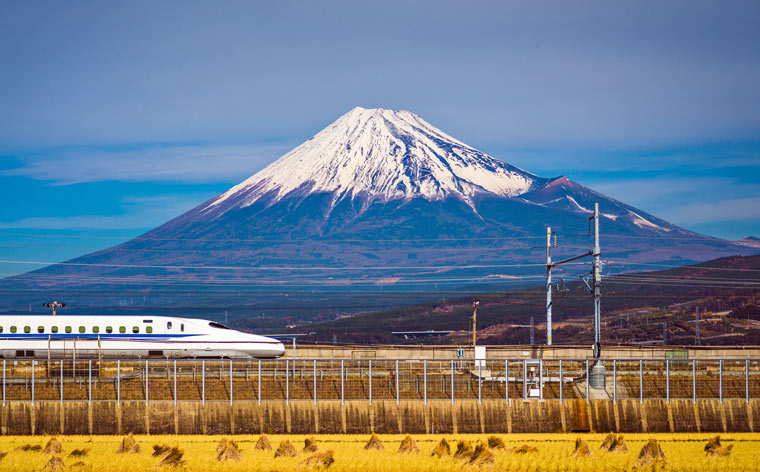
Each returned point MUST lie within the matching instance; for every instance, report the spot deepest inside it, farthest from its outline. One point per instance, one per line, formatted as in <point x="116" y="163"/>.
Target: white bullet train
<point x="93" y="337"/>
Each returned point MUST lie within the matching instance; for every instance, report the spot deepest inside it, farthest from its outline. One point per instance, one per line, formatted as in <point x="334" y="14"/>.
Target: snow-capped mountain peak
<point x="380" y="153"/>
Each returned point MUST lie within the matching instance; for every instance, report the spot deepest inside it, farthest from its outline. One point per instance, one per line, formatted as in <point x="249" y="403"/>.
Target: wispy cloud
<point x="737" y="209"/>
<point x="177" y="163"/>
<point x="140" y="213"/>
<point x="686" y="201"/>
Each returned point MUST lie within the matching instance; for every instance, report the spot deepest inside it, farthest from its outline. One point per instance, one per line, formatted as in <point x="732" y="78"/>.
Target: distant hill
<point x="750" y="241"/>
<point x="634" y="307"/>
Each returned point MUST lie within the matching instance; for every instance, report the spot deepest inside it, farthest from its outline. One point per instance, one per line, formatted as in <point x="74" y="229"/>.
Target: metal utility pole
<point x="597" y="253"/>
<point x="548" y="290"/>
<point x="697" y="340"/>
<point x="54" y="305"/>
<point x="664" y="333"/>
<point x="474" y="322"/>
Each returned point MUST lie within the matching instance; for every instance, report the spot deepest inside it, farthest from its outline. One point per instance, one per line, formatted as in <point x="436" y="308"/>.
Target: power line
<point x="255" y="268"/>
<point x="140" y="238"/>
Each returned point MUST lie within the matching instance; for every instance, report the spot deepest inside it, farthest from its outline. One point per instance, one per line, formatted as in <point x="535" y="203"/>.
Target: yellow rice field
<point x="685" y="452"/>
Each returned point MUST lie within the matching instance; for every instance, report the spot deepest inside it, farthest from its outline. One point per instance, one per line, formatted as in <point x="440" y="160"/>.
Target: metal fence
<point x="370" y="380"/>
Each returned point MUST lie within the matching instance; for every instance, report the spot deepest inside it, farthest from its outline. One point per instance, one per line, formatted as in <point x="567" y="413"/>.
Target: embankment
<point x="303" y="417"/>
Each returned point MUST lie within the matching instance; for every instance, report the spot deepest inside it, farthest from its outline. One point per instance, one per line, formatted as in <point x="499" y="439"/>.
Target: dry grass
<point x="319" y="460"/>
<point x="442" y="449"/>
<point x="160" y="449"/>
<point x="286" y="450"/>
<point x="650" y="454"/>
<point x="173" y="458"/>
<point x="464" y="450"/>
<point x="53" y="446"/>
<point x="228" y="450"/>
<point x="495" y="442"/>
<point x="524" y="449"/>
<point x="128" y="445"/>
<point x="79" y="452"/>
<point x="54" y="464"/>
<point x="684" y="452"/>
<point x="582" y="449"/>
<point x="482" y="456"/>
<point x="408" y="446"/>
<point x="374" y="443"/>
<point x="310" y="444"/>
<point x="262" y="444"/>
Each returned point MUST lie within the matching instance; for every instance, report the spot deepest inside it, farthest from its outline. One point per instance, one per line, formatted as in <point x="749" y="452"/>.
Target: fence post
<point x="614" y="380"/>
<point x="641" y="381"/>
<point x="587" y="383"/>
<point x="118" y="381"/>
<point x="342" y="386"/>
<point x="147" y="397"/>
<point x="480" y="378"/>
<point x="61" y="378"/>
<point x="3" y="382"/>
<point x="506" y="379"/>
<point x="89" y="382"/>
<point x="203" y="382"/>
<point x="667" y="379"/>
<point x="452" y="381"/>
<point x="746" y="380"/>
<point x="561" y="382"/>
<point x="175" y="382"/>
<point x="525" y="377"/>
<point x="424" y="380"/>
<point x="397" y="386"/>
<point x="370" y="381"/>
<point x="33" y="381"/>
<point x="287" y="382"/>
<point x="720" y="381"/>
<point x="314" y="373"/>
<point x="259" y="388"/>
<point x="541" y="378"/>
<point x="232" y="395"/>
<point x="694" y="381"/>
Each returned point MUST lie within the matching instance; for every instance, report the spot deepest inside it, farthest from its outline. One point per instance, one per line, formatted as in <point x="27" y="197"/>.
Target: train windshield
<point x="214" y="324"/>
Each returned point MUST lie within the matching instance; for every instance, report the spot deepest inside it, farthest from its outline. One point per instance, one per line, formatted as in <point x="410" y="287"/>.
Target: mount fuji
<point x="378" y="201"/>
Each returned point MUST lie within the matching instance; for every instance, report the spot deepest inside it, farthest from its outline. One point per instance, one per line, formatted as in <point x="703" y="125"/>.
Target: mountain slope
<point x="381" y="154"/>
<point x="378" y="201"/>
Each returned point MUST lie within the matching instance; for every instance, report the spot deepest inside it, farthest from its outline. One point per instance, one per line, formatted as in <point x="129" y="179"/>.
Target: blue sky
<point x="115" y="117"/>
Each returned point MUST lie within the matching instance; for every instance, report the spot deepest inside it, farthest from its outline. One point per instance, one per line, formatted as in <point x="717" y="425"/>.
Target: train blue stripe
<point x="88" y="336"/>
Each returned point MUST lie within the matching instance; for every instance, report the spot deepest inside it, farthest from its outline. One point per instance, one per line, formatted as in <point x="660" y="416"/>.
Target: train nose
<point x="279" y="349"/>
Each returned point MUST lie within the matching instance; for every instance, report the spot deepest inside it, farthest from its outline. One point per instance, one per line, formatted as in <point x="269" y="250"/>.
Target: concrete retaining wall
<point x="303" y="417"/>
<point x="328" y="351"/>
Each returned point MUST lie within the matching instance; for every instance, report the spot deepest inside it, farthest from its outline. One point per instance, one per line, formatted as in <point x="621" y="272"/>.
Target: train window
<point x="40" y="329"/>
<point x="135" y="329"/>
<point x="27" y="329"/>
<point x="149" y="329"/>
<point x="1" y="329"/>
<point x="168" y="325"/>
<point x="68" y="329"/>
<point x="81" y="329"/>
<point x="13" y="329"/>
<point x="109" y="329"/>
<point x="182" y="327"/>
<point x="122" y="329"/>
<point x="54" y="329"/>
<point x="214" y="324"/>
<point x="95" y="329"/>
